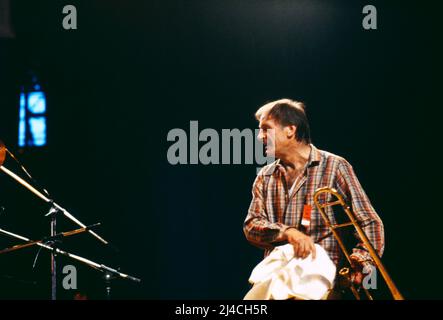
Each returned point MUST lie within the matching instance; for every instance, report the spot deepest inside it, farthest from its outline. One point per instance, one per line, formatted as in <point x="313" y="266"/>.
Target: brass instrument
<point x="353" y="222"/>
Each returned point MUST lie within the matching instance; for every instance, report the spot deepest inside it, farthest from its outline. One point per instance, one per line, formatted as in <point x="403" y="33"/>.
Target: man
<point x="282" y="209"/>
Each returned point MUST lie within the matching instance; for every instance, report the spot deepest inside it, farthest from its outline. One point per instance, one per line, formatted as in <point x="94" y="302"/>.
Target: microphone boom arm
<point x="46" y="199"/>
<point x="92" y="264"/>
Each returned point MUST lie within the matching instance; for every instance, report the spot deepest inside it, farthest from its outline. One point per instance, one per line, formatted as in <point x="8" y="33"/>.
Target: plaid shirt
<point x="273" y="210"/>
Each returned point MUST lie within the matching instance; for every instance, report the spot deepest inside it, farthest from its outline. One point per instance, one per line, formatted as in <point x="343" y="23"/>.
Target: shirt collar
<point x="314" y="160"/>
<point x="314" y="157"/>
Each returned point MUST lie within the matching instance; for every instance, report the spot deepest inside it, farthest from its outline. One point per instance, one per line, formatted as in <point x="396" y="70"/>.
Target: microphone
<point x="57" y="237"/>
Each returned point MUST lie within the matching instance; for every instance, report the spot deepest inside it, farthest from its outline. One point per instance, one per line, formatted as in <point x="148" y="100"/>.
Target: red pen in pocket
<point x="306" y="219"/>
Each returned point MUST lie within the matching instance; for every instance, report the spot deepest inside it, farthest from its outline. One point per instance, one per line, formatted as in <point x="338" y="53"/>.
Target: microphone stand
<point x="30" y="243"/>
<point x="53" y="258"/>
<point x="109" y="272"/>
<point x="55" y="208"/>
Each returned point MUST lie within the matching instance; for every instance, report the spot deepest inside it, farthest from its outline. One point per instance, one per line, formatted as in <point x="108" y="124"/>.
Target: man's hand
<point x="358" y="268"/>
<point x="303" y="244"/>
<point x="357" y="278"/>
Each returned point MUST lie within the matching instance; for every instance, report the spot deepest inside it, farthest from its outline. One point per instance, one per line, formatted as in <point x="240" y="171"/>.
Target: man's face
<point x="273" y="137"/>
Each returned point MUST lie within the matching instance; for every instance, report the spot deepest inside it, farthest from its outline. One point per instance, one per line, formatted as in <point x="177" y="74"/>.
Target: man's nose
<point x="261" y="135"/>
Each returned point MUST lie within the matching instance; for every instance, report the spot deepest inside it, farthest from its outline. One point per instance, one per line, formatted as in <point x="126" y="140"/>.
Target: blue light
<point x="21" y="123"/>
<point x="36" y="102"/>
<point x="32" y="119"/>
<point x="37" y="127"/>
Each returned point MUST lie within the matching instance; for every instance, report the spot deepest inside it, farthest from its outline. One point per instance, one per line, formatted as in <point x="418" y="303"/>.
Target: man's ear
<point x="290" y="131"/>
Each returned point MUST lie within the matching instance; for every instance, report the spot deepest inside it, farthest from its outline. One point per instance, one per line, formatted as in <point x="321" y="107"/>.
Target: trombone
<point x="352" y="222"/>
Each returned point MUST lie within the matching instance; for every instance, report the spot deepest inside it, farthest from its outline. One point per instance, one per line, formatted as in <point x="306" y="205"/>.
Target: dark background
<point x="133" y="70"/>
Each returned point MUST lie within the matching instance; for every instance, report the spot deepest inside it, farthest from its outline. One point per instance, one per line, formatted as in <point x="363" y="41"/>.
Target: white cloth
<point x="282" y="276"/>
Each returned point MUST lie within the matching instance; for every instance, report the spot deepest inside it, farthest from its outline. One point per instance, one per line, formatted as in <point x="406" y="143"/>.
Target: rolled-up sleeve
<point x="367" y="217"/>
<point x="258" y="228"/>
